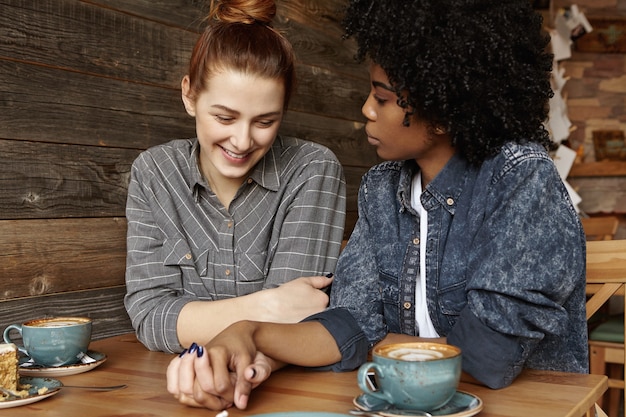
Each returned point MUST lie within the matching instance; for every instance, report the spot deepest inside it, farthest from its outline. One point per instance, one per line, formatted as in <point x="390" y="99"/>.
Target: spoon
<point x="12" y="396"/>
<point x="96" y="387"/>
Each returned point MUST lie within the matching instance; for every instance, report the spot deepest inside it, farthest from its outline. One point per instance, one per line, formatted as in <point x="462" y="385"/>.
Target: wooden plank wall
<point x="85" y="86"/>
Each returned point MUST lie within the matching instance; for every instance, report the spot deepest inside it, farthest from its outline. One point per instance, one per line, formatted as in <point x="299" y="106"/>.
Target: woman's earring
<point x="439" y="130"/>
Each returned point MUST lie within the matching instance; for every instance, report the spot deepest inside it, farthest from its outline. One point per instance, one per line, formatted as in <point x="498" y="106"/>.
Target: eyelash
<point x="261" y="123"/>
<point x="379" y="100"/>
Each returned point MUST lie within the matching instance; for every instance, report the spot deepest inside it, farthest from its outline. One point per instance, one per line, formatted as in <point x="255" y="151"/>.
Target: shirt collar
<point x="445" y="189"/>
<point x="266" y="172"/>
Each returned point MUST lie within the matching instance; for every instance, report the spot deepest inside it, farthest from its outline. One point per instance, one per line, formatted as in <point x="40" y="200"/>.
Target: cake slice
<point x="9" y="375"/>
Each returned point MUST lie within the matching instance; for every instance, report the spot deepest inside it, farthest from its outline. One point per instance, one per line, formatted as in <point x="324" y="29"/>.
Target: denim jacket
<point x="505" y="260"/>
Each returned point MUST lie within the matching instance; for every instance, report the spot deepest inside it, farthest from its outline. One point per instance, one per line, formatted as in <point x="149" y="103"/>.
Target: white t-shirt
<point x="422" y="318"/>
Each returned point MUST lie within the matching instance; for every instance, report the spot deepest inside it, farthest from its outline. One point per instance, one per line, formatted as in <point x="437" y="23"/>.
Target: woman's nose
<point x="241" y="138"/>
<point x="368" y="110"/>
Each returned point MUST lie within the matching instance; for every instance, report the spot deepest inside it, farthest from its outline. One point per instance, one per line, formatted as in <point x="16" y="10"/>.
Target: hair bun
<point x="243" y="11"/>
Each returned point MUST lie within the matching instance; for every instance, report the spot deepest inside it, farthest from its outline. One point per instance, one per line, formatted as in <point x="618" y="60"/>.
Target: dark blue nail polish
<point x="193" y="347"/>
<point x="329" y="275"/>
<point x="182" y="353"/>
<point x="200" y="351"/>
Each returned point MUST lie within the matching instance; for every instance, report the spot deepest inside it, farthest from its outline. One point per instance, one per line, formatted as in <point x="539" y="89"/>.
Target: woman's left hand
<point x="216" y="377"/>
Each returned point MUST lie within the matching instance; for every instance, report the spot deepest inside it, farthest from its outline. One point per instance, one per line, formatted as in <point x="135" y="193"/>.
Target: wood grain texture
<point x="44" y="180"/>
<point x="104" y="306"/>
<point x="42" y="257"/>
<point x="53" y="105"/>
<point x="74" y="35"/>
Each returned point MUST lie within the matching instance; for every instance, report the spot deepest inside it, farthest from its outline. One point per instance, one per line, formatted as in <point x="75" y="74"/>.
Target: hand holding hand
<point x="220" y="375"/>
<point x="296" y="300"/>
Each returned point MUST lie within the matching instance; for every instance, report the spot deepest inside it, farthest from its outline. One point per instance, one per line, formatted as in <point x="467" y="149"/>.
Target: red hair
<point x="240" y="37"/>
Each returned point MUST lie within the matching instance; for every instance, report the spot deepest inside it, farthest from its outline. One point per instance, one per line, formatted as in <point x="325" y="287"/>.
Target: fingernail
<point x="329" y="275"/>
<point x="193" y="347"/>
<point x="182" y="353"/>
<point x="200" y="351"/>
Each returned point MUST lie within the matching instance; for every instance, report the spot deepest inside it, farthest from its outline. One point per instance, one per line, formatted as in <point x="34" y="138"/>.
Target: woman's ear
<point x="190" y="105"/>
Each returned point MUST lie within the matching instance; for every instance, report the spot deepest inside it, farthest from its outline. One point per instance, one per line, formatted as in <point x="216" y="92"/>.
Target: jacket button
<point x="450" y="201"/>
<point x="406" y="305"/>
<point x="187" y="256"/>
<point x="416" y="241"/>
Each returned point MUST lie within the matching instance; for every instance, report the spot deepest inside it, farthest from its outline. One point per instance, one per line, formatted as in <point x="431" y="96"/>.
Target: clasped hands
<point x="212" y="378"/>
<point x="225" y="371"/>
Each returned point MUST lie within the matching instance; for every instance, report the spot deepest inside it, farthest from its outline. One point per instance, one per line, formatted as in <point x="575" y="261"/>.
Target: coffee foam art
<point x="411" y="354"/>
<point x="56" y="324"/>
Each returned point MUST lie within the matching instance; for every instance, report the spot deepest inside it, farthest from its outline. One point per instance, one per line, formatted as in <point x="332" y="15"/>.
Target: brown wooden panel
<point x="104" y="306"/>
<point x="75" y="35"/>
<point x="42" y="257"/>
<point x="346" y="139"/>
<point x="608" y="35"/>
<point x="51" y="105"/>
<point x="314" y="29"/>
<point x="353" y="181"/>
<point x="185" y="14"/>
<point x="41" y="180"/>
<point x="599" y="169"/>
<point x="325" y="92"/>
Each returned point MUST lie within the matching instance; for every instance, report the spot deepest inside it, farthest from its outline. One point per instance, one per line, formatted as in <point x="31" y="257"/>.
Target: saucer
<point x="91" y="360"/>
<point x="462" y="404"/>
<point x="51" y="387"/>
<point x="301" y="414"/>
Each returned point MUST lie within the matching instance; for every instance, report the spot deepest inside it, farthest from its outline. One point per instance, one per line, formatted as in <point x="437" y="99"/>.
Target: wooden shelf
<point x="599" y="169"/>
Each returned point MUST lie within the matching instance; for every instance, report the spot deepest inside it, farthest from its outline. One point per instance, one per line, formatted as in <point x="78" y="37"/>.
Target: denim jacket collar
<point x="444" y="189"/>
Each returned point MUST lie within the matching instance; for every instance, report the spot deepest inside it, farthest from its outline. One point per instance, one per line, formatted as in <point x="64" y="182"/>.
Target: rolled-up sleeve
<point x="350" y="340"/>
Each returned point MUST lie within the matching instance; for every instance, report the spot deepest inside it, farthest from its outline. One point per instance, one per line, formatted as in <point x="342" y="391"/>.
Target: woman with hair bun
<point x="466" y="234"/>
<point x="240" y="222"/>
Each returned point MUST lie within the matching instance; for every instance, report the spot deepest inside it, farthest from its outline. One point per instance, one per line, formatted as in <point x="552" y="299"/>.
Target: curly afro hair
<point x="479" y="68"/>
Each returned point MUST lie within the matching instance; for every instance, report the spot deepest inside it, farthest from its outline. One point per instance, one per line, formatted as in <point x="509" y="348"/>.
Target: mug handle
<point x="362" y="379"/>
<point x="7" y="336"/>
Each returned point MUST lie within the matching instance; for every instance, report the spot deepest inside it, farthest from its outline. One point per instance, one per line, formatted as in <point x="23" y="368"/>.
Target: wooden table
<point x="534" y="393"/>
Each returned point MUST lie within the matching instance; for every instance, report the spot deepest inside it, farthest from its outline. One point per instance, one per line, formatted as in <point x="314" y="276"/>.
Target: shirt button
<point x="227" y="272"/>
<point x="230" y="224"/>
<point x="416" y="241"/>
<point x="450" y="201"/>
<point x="187" y="256"/>
<point x="250" y="180"/>
<point x="406" y="305"/>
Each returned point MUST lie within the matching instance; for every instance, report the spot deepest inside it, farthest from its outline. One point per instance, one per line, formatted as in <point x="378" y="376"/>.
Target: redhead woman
<point x="239" y="223"/>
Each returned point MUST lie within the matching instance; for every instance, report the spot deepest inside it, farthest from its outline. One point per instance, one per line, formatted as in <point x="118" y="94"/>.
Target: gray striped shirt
<point x="286" y="221"/>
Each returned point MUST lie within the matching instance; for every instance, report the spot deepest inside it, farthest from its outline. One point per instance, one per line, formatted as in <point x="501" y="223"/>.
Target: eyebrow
<point x="383" y="85"/>
<point x="235" y="112"/>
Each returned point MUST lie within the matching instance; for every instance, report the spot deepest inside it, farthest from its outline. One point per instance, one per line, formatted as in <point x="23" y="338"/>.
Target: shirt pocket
<point x="452" y="300"/>
<point x="252" y="267"/>
<point x="178" y="253"/>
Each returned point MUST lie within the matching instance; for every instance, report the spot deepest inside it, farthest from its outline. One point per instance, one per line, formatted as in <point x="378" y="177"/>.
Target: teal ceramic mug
<point x="53" y="341"/>
<point x="413" y="376"/>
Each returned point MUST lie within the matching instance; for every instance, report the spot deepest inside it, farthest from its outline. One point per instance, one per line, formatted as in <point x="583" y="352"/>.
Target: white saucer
<point x="462" y="404"/>
<point x="89" y="361"/>
<point x="53" y="386"/>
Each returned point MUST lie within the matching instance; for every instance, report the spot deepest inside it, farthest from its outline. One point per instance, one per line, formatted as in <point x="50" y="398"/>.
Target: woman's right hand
<point x="295" y="300"/>
<point x="221" y="374"/>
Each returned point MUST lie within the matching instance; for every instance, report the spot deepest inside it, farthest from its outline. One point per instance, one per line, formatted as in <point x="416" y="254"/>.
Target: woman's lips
<point x="371" y="139"/>
<point x="233" y="156"/>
